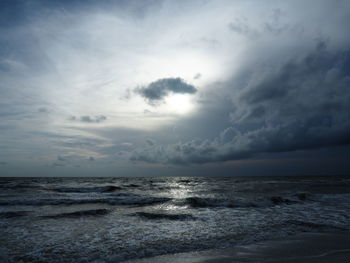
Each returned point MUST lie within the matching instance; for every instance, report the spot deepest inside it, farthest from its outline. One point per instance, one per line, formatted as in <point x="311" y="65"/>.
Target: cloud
<point x="286" y="138"/>
<point x="156" y="91"/>
<point x="89" y="119"/>
<point x="308" y="88"/>
<point x="126" y="144"/>
<point x="150" y="142"/>
<point x="298" y="105"/>
<point x="274" y="25"/>
<point x="197" y="76"/>
<point x="43" y="110"/>
<point x="264" y="86"/>
<point x="244" y="29"/>
<point x="61" y="159"/>
<point x="58" y="164"/>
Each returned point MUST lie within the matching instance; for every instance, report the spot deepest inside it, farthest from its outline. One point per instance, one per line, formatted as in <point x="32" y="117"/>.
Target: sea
<point x="104" y="220"/>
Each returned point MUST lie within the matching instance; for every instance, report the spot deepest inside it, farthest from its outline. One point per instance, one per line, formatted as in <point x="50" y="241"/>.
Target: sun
<point x="179" y="103"/>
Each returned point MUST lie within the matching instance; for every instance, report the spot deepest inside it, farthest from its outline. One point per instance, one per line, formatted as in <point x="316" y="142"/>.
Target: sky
<point x="174" y="88"/>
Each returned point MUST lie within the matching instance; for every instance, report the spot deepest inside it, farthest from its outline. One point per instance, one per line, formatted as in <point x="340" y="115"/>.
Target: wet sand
<point x="303" y="248"/>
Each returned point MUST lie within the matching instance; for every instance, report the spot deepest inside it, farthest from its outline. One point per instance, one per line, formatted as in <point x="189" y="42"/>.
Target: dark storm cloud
<point x="156" y="91"/>
<point x="313" y="87"/>
<point x="89" y="119"/>
<point x="301" y="104"/>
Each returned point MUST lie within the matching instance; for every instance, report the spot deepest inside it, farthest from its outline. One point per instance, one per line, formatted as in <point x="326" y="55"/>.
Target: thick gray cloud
<point x="301" y="104"/>
<point x="313" y="89"/>
<point x="156" y="91"/>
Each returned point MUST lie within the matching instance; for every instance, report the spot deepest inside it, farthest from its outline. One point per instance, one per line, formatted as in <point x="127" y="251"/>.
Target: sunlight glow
<point x="179" y="103"/>
<point x="183" y="64"/>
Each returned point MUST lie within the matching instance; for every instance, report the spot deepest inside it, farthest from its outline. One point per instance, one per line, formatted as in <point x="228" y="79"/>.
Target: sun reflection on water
<point x="178" y="191"/>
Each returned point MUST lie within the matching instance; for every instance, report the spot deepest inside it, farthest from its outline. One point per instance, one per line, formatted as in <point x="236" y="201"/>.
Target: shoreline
<point x="302" y="248"/>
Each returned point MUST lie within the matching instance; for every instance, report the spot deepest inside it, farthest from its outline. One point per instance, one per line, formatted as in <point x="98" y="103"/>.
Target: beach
<point x="302" y="248"/>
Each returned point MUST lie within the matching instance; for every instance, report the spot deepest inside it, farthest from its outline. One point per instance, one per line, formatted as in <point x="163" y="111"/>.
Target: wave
<point x="137" y="201"/>
<point x="312" y="225"/>
<point x="103" y="189"/>
<point x="13" y="186"/>
<point x="155" y="216"/>
<point x="132" y="186"/>
<point x="278" y="200"/>
<point x="185" y="181"/>
<point x="43" y="202"/>
<point x="292" y="199"/>
<point x="76" y="214"/>
<point x="199" y="202"/>
<point x="13" y="214"/>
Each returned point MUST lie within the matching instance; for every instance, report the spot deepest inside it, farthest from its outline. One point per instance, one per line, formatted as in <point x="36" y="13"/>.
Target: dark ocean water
<point x="116" y="219"/>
